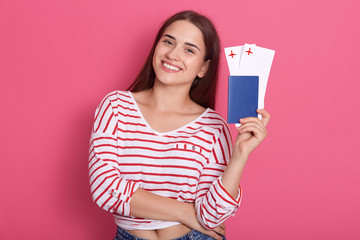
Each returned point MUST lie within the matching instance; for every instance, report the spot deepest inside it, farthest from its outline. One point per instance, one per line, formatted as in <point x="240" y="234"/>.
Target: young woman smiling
<point x="161" y="159"/>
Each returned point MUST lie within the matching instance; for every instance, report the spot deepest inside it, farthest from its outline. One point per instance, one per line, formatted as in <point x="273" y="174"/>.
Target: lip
<point x="167" y="69"/>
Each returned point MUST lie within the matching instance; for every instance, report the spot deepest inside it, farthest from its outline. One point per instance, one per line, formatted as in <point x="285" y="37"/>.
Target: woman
<point x="160" y="157"/>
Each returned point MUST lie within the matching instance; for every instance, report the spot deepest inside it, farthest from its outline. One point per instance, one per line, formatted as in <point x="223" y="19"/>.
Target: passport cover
<point x="243" y="94"/>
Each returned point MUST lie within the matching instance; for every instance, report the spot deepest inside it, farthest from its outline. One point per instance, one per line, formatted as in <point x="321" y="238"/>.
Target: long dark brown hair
<point x="203" y="89"/>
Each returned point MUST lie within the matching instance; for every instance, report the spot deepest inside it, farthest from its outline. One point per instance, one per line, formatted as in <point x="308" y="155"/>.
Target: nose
<point x="173" y="53"/>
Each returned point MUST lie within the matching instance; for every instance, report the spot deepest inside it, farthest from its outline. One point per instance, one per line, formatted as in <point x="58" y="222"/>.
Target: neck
<point x="173" y="98"/>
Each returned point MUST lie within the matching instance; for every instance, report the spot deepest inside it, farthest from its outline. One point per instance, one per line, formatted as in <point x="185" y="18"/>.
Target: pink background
<point x="59" y="58"/>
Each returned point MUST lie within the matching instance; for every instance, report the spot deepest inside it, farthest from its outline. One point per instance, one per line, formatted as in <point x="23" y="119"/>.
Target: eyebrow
<point x="187" y="43"/>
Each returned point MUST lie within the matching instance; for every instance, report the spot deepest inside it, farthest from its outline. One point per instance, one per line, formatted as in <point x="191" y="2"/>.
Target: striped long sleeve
<point x="109" y="189"/>
<point x="213" y="203"/>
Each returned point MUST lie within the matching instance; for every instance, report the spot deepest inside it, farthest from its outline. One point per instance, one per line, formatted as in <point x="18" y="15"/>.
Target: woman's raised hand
<point x="251" y="132"/>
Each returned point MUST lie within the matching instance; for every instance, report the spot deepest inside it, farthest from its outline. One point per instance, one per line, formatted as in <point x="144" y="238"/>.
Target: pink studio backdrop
<point x="59" y="58"/>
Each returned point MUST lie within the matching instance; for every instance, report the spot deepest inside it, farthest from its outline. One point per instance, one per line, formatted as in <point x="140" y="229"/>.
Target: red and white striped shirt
<point x="184" y="164"/>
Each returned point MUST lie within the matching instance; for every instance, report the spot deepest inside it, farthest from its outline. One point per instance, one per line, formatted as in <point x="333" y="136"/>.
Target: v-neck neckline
<point x="171" y="132"/>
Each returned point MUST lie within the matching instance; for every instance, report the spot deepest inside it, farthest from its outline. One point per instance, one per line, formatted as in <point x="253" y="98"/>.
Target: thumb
<point x="265" y="116"/>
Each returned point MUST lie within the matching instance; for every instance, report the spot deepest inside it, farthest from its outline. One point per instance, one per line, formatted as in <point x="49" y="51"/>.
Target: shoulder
<point x="117" y="95"/>
<point x="214" y="122"/>
<point x="212" y="118"/>
<point x="222" y="141"/>
<point x="115" y="100"/>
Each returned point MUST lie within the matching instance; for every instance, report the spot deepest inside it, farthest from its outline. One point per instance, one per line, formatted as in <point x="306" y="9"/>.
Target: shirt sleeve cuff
<point x="226" y="200"/>
<point x="124" y="195"/>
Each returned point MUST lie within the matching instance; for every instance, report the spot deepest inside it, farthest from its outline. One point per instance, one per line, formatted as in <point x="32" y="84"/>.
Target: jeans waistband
<point x="122" y="234"/>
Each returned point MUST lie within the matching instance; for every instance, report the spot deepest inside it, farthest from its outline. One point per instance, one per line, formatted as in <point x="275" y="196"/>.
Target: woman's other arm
<point x="151" y="206"/>
<point x="250" y="134"/>
<point x="219" y="190"/>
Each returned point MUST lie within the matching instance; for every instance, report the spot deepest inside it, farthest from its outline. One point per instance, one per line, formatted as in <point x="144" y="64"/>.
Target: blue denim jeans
<point x="121" y="234"/>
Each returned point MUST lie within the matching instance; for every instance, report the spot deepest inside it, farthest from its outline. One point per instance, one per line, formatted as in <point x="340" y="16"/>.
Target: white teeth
<point x="171" y="67"/>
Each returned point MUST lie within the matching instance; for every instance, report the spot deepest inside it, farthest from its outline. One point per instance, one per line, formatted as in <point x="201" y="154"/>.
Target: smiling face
<point x="179" y="55"/>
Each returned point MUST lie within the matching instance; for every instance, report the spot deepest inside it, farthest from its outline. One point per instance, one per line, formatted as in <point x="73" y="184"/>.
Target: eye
<point x="189" y="50"/>
<point x="167" y="42"/>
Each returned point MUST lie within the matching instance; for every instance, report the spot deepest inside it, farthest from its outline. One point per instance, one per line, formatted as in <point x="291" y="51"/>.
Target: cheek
<point x="156" y="52"/>
<point x="197" y="66"/>
<point x="153" y="61"/>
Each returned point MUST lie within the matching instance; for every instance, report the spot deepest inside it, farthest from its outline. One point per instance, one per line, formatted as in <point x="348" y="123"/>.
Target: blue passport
<point x="243" y="94"/>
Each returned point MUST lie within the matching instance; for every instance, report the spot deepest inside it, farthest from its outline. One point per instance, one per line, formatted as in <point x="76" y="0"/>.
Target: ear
<point x="204" y="69"/>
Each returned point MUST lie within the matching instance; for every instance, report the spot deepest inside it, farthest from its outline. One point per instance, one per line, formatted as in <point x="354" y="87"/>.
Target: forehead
<point x="185" y="31"/>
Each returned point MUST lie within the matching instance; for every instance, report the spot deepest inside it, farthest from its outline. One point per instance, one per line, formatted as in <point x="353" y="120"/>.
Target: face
<point x="179" y="55"/>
